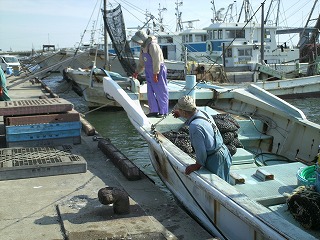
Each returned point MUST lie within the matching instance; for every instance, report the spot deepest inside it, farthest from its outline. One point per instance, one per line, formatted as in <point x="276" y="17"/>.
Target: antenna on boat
<point x="149" y="17"/>
<point x="214" y="12"/>
<point x="161" y="28"/>
<point x="229" y="12"/>
<point x="190" y="23"/>
<point x="178" y="16"/>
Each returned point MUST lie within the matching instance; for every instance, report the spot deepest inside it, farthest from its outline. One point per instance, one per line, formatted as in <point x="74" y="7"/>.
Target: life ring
<point x="209" y="47"/>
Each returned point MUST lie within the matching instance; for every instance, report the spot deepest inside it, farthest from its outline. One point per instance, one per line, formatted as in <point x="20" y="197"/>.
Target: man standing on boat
<point x="151" y="59"/>
<point x="205" y="138"/>
<point x="3" y="87"/>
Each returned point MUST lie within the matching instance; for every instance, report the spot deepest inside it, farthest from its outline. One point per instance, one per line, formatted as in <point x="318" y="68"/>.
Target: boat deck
<point x="267" y="184"/>
<point x="282" y="210"/>
<point x="178" y="88"/>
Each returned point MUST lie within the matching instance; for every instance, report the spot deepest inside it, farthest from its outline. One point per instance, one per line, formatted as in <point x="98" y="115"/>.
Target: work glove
<point x="175" y="113"/>
<point x="191" y="168"/>
<point x="155" y="78"/>
<point x="135" y="75"/>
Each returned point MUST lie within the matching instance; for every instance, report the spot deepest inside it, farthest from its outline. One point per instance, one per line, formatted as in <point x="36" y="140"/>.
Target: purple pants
<point x="158" y="94"/>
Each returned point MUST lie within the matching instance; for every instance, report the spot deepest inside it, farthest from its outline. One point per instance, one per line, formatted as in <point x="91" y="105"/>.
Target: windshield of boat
<point x="117" y="76"/>
<point x="11" y="59"/>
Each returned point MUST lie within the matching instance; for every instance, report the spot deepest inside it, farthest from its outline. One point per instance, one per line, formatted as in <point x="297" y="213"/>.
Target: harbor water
<point x="115" y="125"/>
<point x="112" y="124"/>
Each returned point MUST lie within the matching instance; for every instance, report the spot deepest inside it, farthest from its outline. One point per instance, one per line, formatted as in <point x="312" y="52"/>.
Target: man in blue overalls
<point x="205" y="138"/>
<point x="151" y="59"/>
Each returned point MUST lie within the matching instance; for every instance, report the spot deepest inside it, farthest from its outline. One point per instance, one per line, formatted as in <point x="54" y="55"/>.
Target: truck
<point x="10" y="63"/>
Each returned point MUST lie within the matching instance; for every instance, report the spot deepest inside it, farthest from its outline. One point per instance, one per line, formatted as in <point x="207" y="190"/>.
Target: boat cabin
<point x="178" y="46"/>
<point x="194" y="41"/>
<point x="239" y="44"/>
<point x="170" y="44"/>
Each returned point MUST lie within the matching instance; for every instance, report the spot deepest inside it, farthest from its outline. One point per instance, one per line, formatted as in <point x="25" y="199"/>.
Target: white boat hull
<point x="223" y="209"/>
<point x="293" y="88"/>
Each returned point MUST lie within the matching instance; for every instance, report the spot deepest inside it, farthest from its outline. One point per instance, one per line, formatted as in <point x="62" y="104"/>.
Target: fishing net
<point x="228" y="128"/>
<point x="227" y="125"/>
<point x="227" y="137"/>
<point x="114" y="22"/>
<point x="304" y="205"/>
<point x="181" y="139"/>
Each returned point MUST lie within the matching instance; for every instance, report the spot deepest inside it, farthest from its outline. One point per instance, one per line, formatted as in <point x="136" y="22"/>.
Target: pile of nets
<point x="181" y="139"/>
<point x="304" y="205"/>
<point x="227" y="126"/>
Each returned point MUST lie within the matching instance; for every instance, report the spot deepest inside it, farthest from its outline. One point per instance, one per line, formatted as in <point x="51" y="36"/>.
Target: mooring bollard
<point x="119" y="198"/>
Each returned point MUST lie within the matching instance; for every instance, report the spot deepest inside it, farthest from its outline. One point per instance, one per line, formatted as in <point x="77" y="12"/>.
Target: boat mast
<point x="303" y="39"/>
<point x="178" y="16"/>
<point x="246" y="8"/>
<point x="92" y="35"/>
<point x="229" y="13"/>
<point x="262" y="33"/>
<point x="161" y="27"/>
<point x="106" y="55"/>
<point x="269" y="12"/>
<point x="214" y="12"/>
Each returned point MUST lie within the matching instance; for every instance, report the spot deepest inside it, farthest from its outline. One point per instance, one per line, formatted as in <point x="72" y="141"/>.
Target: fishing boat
<point x="291" y="88"/>
<point x="303" y="87"/>
<point x="236" y="48"/>
<point x="278" y="143"/>
<point x="88" y="83"/>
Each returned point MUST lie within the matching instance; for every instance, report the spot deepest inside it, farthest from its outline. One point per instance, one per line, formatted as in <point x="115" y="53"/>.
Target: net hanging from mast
<point x="114" y="23"/>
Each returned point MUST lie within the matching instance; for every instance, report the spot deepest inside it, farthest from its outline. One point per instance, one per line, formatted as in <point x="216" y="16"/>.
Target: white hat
<point x="186" y="103"/>
<point x="139" y="37"/>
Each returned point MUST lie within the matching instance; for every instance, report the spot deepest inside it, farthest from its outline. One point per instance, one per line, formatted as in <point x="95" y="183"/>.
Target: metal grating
<point x="36" y="155"/>
<point x="39" y="161"/>
<point x="70" y="116"/>
<point x="34" y="106"/>
<point x="33" y="102"/>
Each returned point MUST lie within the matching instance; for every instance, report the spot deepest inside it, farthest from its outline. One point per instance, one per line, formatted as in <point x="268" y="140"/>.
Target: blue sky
<point x="31" y="23"/>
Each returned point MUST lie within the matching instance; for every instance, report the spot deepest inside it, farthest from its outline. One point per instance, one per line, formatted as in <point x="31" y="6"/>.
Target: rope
<point x="105" y="105"/>
<point x="264" y="161"/>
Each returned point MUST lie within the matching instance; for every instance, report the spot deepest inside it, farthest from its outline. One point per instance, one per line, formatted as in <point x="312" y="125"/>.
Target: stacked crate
<point x="40" y="122"/>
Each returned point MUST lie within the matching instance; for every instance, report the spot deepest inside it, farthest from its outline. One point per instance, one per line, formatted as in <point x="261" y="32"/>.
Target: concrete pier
<point x="66" y="206"/>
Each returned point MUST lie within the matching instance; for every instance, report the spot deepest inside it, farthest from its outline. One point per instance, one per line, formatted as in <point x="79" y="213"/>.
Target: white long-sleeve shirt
<point x="153" y="48"/>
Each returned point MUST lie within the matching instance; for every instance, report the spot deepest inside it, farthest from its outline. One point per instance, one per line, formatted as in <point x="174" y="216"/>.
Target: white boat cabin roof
<point x="234" y="25"/>
<point x="193" y="31"/>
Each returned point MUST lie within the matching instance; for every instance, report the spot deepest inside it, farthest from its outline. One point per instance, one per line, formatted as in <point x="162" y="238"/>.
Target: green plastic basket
<point x="307" y="175"/>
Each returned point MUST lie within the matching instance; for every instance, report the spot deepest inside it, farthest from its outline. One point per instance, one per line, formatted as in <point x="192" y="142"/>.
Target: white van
<point x="9" y="61"/>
